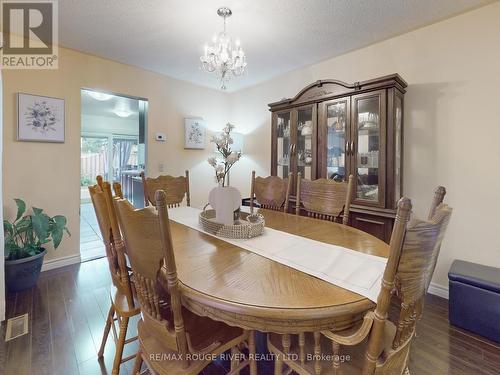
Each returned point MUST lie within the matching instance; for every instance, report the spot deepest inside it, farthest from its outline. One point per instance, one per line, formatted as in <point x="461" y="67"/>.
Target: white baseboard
<point x="61" y="262"/>
<point x="439" y="290"/>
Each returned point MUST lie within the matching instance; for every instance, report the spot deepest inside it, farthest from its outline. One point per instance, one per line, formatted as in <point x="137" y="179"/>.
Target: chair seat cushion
<point x="484" y="277"/>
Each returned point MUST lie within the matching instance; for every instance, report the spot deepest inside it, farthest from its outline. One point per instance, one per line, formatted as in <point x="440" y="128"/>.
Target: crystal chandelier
<point x="223" y="56"/>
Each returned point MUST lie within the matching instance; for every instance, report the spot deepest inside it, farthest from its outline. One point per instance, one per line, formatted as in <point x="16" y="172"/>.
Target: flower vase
<point x="225" y="200"/>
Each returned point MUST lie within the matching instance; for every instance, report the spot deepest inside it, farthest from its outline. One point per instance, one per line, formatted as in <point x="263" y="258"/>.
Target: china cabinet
<point x="332" y="129"/>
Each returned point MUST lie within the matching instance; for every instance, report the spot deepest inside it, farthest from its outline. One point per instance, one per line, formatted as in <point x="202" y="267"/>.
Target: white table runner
<point x="349" y="269"/>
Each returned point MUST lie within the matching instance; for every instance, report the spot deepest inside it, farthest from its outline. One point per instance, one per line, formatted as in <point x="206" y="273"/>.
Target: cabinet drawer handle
<point x="352" y="148"/>
<point x="347" y="148"/>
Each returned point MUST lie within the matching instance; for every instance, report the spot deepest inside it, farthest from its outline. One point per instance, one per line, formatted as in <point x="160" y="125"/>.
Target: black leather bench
<point x="474" y="302"/>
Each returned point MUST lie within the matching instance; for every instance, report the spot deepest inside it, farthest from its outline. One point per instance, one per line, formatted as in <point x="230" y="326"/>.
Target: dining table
<point x="225" y="282"/>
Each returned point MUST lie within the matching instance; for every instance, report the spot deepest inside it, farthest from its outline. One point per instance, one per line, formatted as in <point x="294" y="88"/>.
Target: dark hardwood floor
<point x="68" y="307"/>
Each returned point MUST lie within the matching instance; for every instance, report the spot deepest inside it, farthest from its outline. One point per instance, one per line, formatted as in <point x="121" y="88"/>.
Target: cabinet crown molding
<point x="326" y="89"/>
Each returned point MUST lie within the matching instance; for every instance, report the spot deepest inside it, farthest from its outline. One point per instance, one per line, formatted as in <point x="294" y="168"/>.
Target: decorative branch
<point x="223" y="143"/>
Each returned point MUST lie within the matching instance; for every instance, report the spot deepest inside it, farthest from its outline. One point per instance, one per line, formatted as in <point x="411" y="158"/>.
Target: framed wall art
<point x="194" y="133"/>
<point x="40" y="118"/>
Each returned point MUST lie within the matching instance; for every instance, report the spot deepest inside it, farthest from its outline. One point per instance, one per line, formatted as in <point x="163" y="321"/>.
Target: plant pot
<point x="21" y="274"/>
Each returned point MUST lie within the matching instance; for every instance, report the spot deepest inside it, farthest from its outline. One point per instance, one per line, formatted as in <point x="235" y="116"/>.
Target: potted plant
<point x="25" y="238"/>
<point x="224" y="199"/>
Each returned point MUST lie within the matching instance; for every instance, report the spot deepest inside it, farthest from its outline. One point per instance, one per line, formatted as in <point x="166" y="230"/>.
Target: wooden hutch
<point x="332" y="129"/>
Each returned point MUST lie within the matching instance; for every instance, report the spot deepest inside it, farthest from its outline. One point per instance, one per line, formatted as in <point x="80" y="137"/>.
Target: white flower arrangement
<point x="223" y="164"/>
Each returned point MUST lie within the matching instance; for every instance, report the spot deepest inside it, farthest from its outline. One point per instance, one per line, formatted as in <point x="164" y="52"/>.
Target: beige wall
<point x="47" y="175"/>
<point x="452" y="127"/>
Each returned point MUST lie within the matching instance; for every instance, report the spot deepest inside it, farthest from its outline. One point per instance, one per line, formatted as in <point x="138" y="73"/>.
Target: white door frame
<point x="2" y="249"/>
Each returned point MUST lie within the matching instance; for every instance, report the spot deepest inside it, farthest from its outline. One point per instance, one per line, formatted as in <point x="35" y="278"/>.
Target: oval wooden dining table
<point x="230" y="284"/>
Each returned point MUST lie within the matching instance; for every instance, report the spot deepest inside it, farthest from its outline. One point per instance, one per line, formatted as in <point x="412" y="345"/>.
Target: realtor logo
<point x="29" y="34"/>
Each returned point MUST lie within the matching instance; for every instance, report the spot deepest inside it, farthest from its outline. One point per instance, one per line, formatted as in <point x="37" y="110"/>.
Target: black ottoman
<point x="475" y="298"/>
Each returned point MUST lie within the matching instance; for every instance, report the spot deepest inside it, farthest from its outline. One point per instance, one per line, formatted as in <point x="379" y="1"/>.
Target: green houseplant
<point x="25" y="238"/>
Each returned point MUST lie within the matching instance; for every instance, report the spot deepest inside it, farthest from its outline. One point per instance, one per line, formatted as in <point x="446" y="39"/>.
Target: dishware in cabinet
<point x="359" y="132"/>
<point x="293" y="147"/>
<point x="304" y="140"/>
<point x="334" y="130"/>
<point x="281" y="144"/>
<point x="367" y="147"/>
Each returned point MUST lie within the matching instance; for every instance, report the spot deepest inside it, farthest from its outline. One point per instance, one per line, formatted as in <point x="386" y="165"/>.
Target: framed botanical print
<point x="40" y="118"/>
<point x="194" y="133"/>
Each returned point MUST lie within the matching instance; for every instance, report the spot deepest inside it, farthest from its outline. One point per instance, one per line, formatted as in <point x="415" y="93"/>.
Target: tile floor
<point x="91" y="246"/>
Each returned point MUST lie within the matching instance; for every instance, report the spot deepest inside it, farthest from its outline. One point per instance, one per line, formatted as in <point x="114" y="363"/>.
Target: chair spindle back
<point x="147" y="236"/>
<point x="176" y="189"/>
<point x="439" y="194"/>
<point x="413" y="250"/>
<point x="325" y="199"/>
<point x="102" y="201"/>
<point x="272" y="192"/>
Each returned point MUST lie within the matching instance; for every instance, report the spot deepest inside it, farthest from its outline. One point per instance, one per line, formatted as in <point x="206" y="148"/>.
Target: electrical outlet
<point x="161" y="167"/>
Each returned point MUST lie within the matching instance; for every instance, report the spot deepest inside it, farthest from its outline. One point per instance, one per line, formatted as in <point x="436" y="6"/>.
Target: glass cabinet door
<point x="305" y="142"/>
<point x="367" y="147"/>
<point x="337" y="134"/>
<point x="283" y="144"/>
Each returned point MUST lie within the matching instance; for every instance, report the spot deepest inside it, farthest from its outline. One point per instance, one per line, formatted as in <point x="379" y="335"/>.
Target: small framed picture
<point x="40" y="118"/>
<point x="194" y="133"/>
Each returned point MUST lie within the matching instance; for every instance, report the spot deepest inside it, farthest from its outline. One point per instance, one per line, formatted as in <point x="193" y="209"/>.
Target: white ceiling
<point x="167" y="36"/>
<point x="106" y="108"/>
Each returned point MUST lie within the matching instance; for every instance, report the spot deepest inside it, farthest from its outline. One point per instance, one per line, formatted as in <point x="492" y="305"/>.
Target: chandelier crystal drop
<point x="223" y="56"/>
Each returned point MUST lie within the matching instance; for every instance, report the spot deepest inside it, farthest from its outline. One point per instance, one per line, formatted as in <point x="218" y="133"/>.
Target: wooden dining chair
<point x="377" y="345"/>
<point x="123" y="303"/>
<point x="117" y="188"/>
<point x="272" y="192"/>
<point x="325" y="199"/>
<point x="439" y="194"/>
<point x="176" y="189"/>
<point x="100" y="181"/>
<point x="169" y="334"/>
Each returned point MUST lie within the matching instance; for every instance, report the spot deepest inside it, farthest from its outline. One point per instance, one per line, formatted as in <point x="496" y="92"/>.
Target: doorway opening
<point x="113" y="145"/>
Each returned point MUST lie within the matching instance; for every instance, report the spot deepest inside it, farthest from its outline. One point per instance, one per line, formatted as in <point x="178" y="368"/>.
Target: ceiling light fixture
<point x="99" y="95"/>
<point x="122" y="112"/>
<point x="224" y="57"/>
<point x="122" y="108"/>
